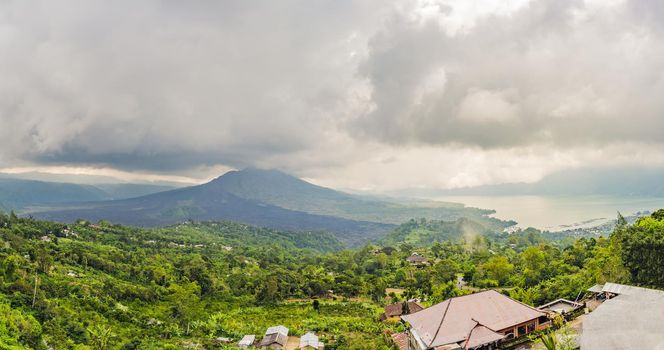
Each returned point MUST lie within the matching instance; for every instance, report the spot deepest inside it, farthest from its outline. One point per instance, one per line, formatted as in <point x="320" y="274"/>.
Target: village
<point x="607" y="316"/>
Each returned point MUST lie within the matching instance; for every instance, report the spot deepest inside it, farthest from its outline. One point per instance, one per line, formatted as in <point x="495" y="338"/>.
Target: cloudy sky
<point x="365" y="95"/>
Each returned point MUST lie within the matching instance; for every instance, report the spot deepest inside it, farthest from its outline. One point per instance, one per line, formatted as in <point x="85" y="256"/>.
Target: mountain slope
<point x="280" y="189"/>
<point x="211" y="202"/>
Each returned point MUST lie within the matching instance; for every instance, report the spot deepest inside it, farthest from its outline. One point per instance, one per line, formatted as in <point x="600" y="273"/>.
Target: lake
<point x="555" y="213"/>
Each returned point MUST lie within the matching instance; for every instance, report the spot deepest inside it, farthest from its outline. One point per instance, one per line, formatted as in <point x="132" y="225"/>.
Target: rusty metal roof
<point x="401" y="340"/>
<point x="453" y="319"/>
<point x="273" y="338"/>
<point x="396" y="309"/>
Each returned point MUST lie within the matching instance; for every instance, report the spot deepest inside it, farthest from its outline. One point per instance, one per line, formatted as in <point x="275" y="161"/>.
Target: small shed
<point x="247" y="341"/>
<point x="310" y="341"/>
<point x="275" y="338"/>
<point x="275" y="341"/>
<point x="561" y="306"/>
<point x="417" y="260"/>
<point x="400" y="308"/>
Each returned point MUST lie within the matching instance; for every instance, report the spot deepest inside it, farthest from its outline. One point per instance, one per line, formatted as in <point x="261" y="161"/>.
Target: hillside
<point x="161" y="288"/>
<point x="423" y="233"/>
<point x="268" y="198"/>
<point x="186" y="285"/>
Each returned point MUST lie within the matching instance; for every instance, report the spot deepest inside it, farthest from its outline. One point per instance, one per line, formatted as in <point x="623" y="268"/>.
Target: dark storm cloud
<point x="171" y="85"/>
<point x="553" y="72"/>
<point x="166" y="84"/>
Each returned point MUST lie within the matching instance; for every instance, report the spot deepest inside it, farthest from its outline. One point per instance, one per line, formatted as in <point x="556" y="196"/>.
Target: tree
<point x="269" y="293"/>
<point x="316" y="305"/>
<point x="498" y="268"/>
<point x="643" y="249"/>
<point x="185" y="303"/>
<point x="446" y="270"/>
<point x="534" y="261"/>
<point x="377" y="290"/>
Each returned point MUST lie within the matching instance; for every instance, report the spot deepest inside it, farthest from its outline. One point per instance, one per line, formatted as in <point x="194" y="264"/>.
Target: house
<point x="417" y="260"/>
<point x="476" y="321"/>
<point x="310" y="341"/>
<point x="630" y="318"/>
<point x="275" y="338"/>
<point x="561" y="306"/>
<point x="400" y="308"/>
<point x="247" y="341"/>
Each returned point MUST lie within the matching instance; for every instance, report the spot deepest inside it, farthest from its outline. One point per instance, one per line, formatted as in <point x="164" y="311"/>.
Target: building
<point x="400" y="308"/>
<point x="275" y="338"/>
<point x="629" y="318"/>
<point x="247" y="341"/>
<point x="417" y="260"/>
<point x="310" y="341"/>
<point x="561" y="306"/>
<point x="475" y="321"/>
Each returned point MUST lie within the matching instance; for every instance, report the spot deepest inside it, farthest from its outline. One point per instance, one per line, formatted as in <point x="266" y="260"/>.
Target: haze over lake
<point x="555" y="213"/>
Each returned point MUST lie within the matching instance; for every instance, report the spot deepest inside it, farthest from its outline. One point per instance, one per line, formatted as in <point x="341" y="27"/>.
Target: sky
<point x="369" y="95"/>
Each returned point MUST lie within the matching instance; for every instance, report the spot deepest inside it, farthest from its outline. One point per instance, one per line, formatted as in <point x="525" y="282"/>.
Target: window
<point x="522" y="330"/>
<point x="530" y="327"/>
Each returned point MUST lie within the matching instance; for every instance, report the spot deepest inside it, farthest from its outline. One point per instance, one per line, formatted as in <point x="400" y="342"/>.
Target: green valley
<point x="105" y="286"/>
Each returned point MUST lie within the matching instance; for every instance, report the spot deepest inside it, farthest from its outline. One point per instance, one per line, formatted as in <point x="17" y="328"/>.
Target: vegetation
<point x="105" y="286"/>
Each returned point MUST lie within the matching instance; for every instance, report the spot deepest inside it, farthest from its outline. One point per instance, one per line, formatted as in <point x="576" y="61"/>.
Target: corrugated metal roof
<point x="396" y="309"/>
<point x="632" y="320"/>
<point x="560" y="305"/>
<point x="596" y="288"/>
<point x="277" y="329"/>
<point x="309" y="339"/>
<point x="273" y="338"/>
<point x="247" y="340"/>
<point x="616" y="288"/>
<point x="453" y="319"/>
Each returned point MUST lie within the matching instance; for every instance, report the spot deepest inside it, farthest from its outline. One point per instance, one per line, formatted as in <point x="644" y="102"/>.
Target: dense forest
<point x="105" y="286"/>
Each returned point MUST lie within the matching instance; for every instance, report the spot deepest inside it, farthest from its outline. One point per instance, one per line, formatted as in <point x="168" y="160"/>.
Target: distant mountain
<point x="17" y="194"/>
<point x="210" y="202"/>
<point x="283" y="190"/>
<point x="585" y="181"/>
<point x="268" y="198"/>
